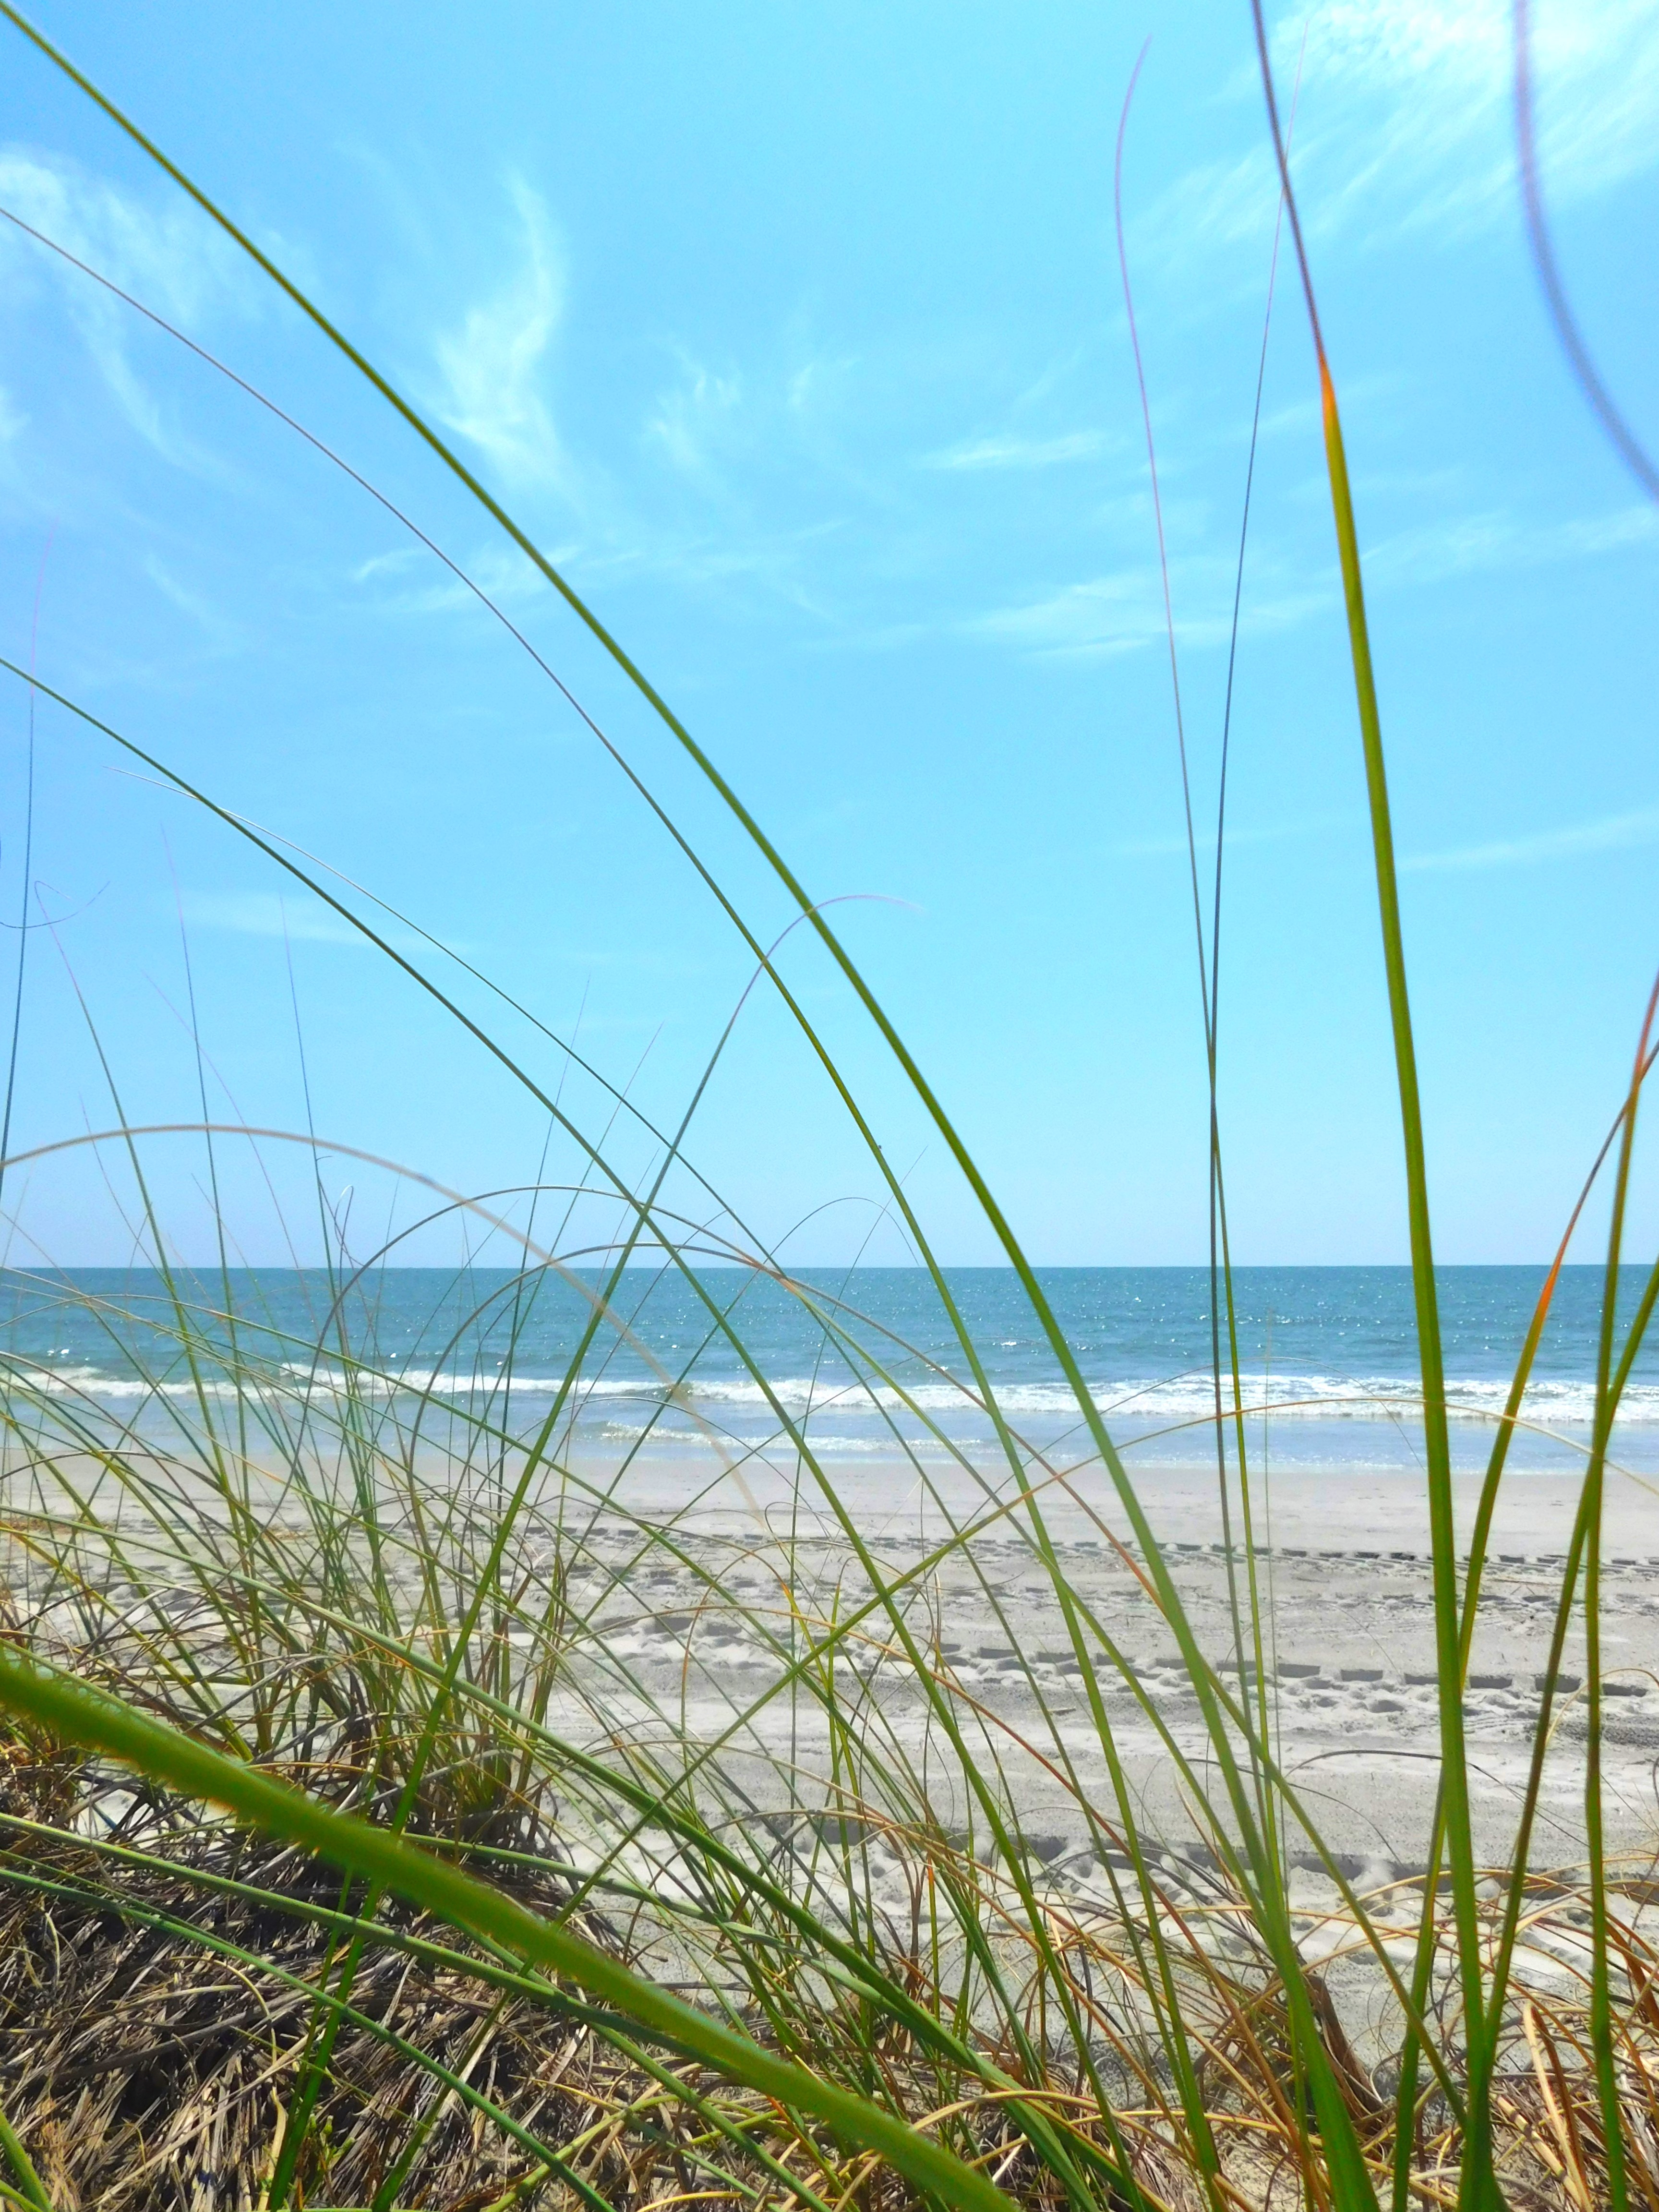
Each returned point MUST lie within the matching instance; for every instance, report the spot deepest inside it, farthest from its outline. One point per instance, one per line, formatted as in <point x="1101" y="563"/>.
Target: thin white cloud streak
<point x="1013" y="453"/>
<point x="1466" y="544"/>
<point x="1405" y="123"/>
<point x="223" y="633"/>
<point x="1442" y="71"/>
<point x="265" y="913"/>
<point x="691" y="422"/>
<point x="410" y="580"/>
<point x="492" y="366"/>
<point x="170" y="257"/>
<point x="1613" y="833"/>
<point x="1276" y="833"/>
<point x="1123" y="611"/>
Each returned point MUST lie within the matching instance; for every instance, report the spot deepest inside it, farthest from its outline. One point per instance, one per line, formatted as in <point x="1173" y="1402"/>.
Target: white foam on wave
<point x="1187" y="1398"/>
<point x="1130" y="1404"/>
<point x="294" y="1378"/>
<point x="93" y="1382"/>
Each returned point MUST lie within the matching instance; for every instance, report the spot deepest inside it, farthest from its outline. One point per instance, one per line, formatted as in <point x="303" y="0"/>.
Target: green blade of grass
<point x="29" y="2184"/>
<point x="1607" y="1402"/>
<point x="1479" y="1540"/>
<point x="1477" y="2187"/>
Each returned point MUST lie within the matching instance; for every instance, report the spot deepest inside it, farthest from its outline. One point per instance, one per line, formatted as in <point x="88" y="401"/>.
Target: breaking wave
<point x="1132" y="1404"/>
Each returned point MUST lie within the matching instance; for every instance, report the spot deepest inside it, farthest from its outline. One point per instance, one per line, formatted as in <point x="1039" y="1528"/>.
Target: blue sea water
<point x="1329" y="1354"/>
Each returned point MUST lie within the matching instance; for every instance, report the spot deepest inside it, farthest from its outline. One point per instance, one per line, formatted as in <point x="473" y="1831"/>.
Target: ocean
<point x="1328" y="1355"/>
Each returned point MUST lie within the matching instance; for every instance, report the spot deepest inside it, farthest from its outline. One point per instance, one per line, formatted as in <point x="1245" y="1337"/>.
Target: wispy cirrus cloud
<point x="1461" y="545"/>
<point x="265" y="914"/>
<point x="295" y="920"/>
<point x="1122" y="610"/>
<point x="1609" y="832"/>
<point x="168" y="255"/>
<point x="1405" y="122"/>
<point x="493" y="364"/>
<point x="694" y="419"/>
<point x="1440" y="76"/>
<point x="409" y="581"/>
<point x="1261" y="833"/>
<point x="223" y="634"/>
<point x="1612" y="833"/>
<point x="1010" y="451"/>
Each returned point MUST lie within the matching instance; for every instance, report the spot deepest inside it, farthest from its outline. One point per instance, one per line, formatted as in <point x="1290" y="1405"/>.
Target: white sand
<point x="1347" y="1583"/>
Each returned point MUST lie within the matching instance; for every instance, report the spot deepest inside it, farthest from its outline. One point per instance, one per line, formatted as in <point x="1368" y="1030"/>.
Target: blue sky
<point x="795" y="335"/>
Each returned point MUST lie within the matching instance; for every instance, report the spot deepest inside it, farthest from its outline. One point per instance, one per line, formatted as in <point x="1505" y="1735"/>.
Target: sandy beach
<point x="1346" y="1586"/>
<point x="685" y="1585"/>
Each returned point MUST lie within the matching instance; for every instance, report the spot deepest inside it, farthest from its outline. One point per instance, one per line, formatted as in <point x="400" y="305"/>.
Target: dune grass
<point x="358" y="1848"/>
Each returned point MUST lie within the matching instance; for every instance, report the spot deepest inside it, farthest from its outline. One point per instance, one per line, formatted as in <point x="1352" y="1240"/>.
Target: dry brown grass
<point x="153" y="2023"/>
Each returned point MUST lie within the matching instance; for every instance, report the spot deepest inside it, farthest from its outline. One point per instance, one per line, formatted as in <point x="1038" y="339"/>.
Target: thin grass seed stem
<point x="1218" y="1187"/>
<point x="1233" y="1613"/>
